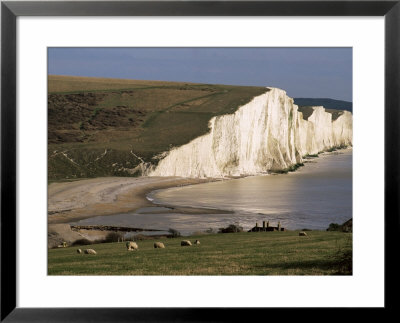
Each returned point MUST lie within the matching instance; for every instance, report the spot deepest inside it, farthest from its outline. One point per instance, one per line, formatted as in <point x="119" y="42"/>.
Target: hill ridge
<point x="327" y="103"/>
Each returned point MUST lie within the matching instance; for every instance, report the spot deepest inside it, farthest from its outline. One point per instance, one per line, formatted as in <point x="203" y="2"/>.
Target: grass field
<point x="256" y="253"/>
<point x="78" y="84"/>
<point x="106" y="127"/>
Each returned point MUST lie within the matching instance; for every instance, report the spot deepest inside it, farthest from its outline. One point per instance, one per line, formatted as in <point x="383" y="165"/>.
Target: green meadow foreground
<point x="255" y="253"/>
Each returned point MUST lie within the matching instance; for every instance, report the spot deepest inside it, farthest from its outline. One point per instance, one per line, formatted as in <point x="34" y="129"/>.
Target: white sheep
<point x="185" y="243"/>
<point x="130" y="245"/>
<point x="159" y="245"/>
<point x="90" y="252"/>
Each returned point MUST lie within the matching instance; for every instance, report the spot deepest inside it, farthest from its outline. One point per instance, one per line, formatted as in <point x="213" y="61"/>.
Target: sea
<point x="312" y="197"/>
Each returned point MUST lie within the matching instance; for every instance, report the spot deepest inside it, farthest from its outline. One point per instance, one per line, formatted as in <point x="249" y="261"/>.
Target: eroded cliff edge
<point x="267" y="134"/>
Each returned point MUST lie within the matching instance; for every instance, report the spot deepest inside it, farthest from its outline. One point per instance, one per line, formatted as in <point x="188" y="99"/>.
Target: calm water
<point x="312" y="197"/>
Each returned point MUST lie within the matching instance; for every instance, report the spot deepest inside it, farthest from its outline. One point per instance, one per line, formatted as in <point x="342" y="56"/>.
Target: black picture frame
<point x="10" y="10"/>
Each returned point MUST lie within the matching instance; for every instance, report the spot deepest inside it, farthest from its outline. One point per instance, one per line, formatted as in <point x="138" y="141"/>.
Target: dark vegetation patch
<point x="345" y="227"/>
<point x="232" y="228"/>
<point x="292" y="168"/>
<point x="78" y="117"/>
<point x="174" y="233"/>
<point x="307" y="112"/>
<point x="335" y="113"/>
<point x="85" y="242"/>
<point x="336" y="148"/>
<point x="114" y="237"/>
<point x="310" y="156"/>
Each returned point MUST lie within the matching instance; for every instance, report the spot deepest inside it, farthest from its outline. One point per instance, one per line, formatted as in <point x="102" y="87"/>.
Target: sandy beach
<point x="73" y="201"/>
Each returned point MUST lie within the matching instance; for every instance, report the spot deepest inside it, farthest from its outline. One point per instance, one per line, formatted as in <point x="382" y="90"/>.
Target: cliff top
<point x="94" y="123"/>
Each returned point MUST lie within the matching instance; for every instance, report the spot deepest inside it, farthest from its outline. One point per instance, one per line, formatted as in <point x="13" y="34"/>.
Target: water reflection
<point x="316" y="195"/>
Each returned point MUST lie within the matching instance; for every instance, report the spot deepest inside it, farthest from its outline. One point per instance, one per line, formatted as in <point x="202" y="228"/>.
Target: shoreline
<point x="306" y="160"/>
<point x="83" y="199"/>
<point x="70" y="202"/>
<point x="78" y="200"/>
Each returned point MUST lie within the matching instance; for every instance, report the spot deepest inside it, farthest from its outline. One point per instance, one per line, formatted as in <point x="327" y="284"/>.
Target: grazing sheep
<point x="90" y="252"/>
<point x="130" y="245"/>
<point x="79" y="250"/>
<point x="302" y="234"/>
<point x="159" y="245"/>
<point x="64" y="244"/>
<point x="197" y="242"/>
<point x="185" y="243"/>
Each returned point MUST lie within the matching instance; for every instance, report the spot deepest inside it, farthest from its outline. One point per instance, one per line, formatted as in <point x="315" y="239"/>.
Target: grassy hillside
<point x="327" y="103"/>
<point x="261" y="253"/>
<point x="107" y="127"/>
<point x="308" y="111"/>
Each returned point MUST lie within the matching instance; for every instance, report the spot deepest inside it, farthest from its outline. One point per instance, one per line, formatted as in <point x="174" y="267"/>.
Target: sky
<point x="302" y="72"/>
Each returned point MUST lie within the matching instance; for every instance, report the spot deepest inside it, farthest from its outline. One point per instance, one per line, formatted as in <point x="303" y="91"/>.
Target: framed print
<point x="112" y="111"/>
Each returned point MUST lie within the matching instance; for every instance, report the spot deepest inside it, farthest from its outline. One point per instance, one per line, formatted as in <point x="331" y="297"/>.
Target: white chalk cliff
<point x="268" y="133"/>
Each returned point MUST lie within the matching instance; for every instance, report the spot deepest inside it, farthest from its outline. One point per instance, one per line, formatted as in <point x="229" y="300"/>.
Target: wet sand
<point x="74" y="201"/>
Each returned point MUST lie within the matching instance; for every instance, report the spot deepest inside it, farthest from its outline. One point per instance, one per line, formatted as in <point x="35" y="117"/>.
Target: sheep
<point x="185" y="243"/>
<point x="302" y="234"/>
<point x="79" y="250"/>
<point x="159" y="245"/>
<point x="90" y="252"/>
<point x="130" y="245"/>
<point x="63" y="245"/>
<point x="197" y="242"/>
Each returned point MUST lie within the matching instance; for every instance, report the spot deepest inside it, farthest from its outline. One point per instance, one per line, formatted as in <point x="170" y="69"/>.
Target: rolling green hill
<point x="108" y="127"/>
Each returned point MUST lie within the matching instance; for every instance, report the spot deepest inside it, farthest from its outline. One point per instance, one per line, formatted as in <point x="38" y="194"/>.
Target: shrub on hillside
<point x="345" y="227"/>
<point x="82" y="242"/>
<point x="174" y="233"/>
<point x="114" y="237"/>
<point x="232" y="228"/>
<point x="334" y="227"/>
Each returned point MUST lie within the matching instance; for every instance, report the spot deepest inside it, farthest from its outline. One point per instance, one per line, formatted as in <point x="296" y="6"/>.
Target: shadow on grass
<point x="336" y="266"/>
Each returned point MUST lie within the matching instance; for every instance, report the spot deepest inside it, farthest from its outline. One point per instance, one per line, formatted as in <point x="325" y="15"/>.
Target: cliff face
<point x="268" y="133"/>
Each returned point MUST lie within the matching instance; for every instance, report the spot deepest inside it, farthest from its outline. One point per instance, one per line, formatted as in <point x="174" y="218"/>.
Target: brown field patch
<point x="63" y="83"/>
